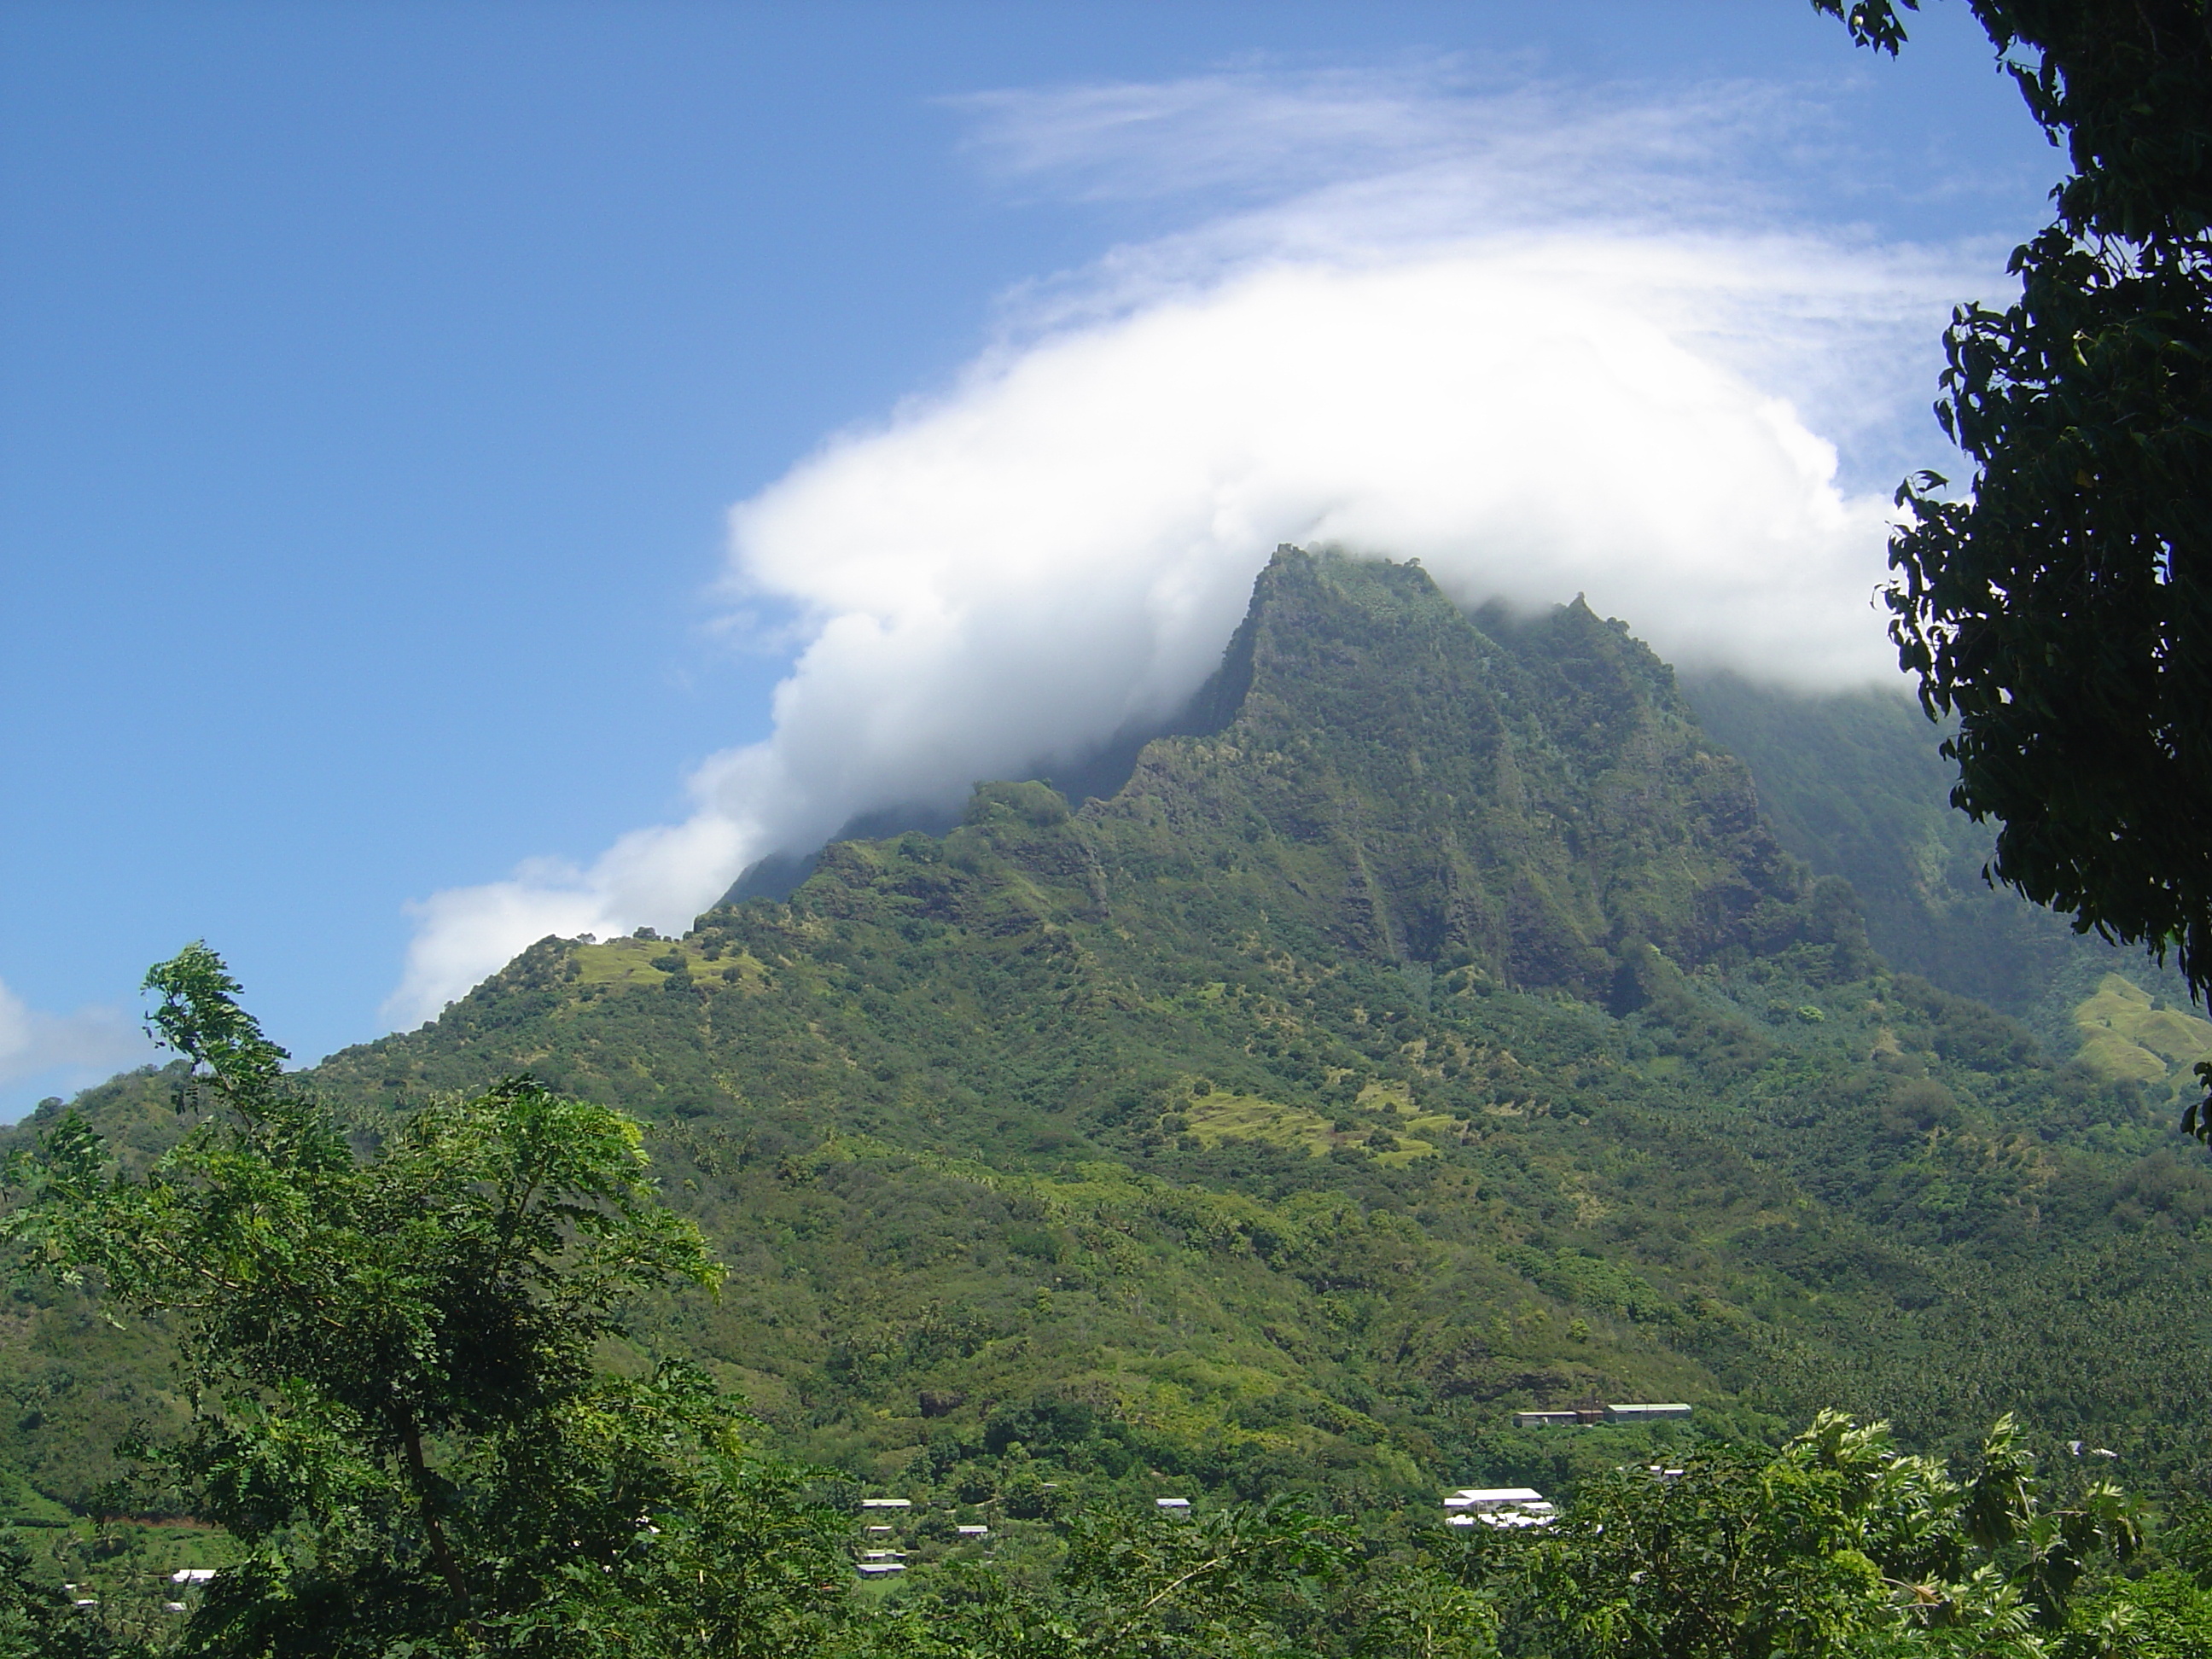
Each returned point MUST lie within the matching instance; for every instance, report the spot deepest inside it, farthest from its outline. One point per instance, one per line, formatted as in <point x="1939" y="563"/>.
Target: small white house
<point x="1492" y="1497"/>
<point x="972" y="1532"/>
<point x="1173" y="1504"/>
<point x="192" y="1575"/>
<point x="887" y="1502"/>
<point x="1499" y="1506"/>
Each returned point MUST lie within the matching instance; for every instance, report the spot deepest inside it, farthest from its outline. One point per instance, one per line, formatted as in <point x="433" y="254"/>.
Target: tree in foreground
<point x="2063" y="611"/>
<point x="1837" y="1546"/>
<point x="390" y="1357"/>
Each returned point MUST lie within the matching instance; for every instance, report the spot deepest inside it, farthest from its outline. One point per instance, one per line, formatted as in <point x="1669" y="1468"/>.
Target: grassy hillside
<point x="1431" y="1028"/>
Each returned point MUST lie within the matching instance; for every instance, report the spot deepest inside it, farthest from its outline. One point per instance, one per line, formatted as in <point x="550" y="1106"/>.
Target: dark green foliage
<point x="38" y="1619"/>
<point x="2063" y="612"/>
<point x="1423" y="792"/>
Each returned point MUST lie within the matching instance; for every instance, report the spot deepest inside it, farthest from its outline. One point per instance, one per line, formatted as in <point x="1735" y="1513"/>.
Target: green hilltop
<point x="1432" y="1025"/>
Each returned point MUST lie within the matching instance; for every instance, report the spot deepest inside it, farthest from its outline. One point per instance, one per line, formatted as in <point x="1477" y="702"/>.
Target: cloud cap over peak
<point x="1003" y="576"/>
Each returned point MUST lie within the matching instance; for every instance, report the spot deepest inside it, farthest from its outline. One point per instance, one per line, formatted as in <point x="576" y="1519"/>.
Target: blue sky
<point x="375" y="382"/>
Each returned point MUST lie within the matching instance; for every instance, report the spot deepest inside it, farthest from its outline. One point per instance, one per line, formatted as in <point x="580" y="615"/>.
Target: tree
<point x="390" y="1355"/>
<point x="2062" y="611"/>
<point x="1237" y="1581"/>
<point x="37" y="1619"/>
<point x="1837" y="1546"/>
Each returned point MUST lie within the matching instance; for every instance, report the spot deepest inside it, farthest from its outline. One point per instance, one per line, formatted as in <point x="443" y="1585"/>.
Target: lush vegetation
<point x="395" y="1417"/>
<point x="1431" y="1027"/>
<point x="398" y="1423"/>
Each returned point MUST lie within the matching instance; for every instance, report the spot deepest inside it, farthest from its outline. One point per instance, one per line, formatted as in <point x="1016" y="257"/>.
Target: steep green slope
<point x="1430" y="1028"/>
<point x="1853" y="783"/>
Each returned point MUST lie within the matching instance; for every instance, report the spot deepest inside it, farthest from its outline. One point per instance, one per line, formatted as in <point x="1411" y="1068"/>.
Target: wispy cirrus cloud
<point x="1735" y="200"/>
<point x="1515" y="147"/>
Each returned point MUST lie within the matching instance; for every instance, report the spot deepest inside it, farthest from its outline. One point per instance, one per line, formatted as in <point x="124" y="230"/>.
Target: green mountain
<point x="1853" y="784"/>
<point x="1431" y="1026"/>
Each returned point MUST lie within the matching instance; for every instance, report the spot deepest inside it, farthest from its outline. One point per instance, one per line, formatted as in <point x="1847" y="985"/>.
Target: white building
<point x="1511" y="1507"/>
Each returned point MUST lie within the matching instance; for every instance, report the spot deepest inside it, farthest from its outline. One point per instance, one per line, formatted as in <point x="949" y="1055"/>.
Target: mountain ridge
<point x="1433" y="1029"/>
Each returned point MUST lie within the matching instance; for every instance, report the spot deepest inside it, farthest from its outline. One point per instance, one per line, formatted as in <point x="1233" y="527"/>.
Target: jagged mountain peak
<point x="1455" y="782"/>
<point x="1372" y="770"/>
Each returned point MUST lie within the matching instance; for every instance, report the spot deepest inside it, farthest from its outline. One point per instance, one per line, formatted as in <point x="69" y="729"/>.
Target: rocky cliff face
<point x="1420" y="788"/>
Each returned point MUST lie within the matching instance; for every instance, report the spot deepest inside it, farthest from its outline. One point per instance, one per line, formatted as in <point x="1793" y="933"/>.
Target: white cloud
<point x="1520" y="342"/>
<point x="83" y="1047"/>
<point x="1533" y="150"/>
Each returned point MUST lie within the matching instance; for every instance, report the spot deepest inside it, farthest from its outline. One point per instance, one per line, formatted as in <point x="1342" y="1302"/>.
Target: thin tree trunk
<point x="442" y="1550"/>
